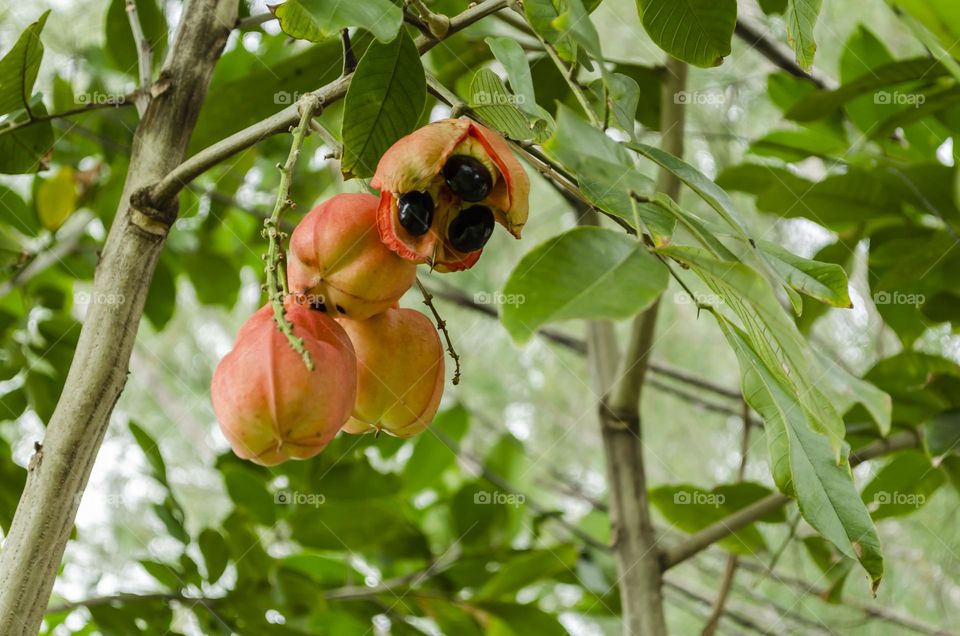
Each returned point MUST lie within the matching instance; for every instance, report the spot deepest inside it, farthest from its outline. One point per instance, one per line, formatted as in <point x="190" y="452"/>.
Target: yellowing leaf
<point x="57" y="199"/>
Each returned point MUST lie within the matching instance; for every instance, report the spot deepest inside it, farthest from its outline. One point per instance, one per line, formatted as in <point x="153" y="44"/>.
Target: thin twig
<point x="144" y="58"/>
<point x="275" y="267"/>
<point x="775" y="53"/>
<point x="442" y="326"/>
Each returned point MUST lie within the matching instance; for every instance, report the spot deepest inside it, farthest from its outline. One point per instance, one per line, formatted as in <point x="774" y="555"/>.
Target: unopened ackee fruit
<point x="441" y="188"/>
<point x="399" y="372"/>
<point x="269" y="405"/>
<point x="338" y="263"/>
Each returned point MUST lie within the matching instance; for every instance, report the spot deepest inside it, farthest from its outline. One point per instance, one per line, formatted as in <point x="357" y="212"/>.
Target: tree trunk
<point x="635" y="547"/>
<point x="59" y="469"/>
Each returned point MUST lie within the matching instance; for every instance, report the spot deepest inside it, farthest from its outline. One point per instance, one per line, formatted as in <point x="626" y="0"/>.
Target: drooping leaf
<point x="383" y="103"/>
<point x="827" y="282"/>
<point x="695" y="31"/>
<point x="19" y="68"/>
<point x="801" y="17"/>
<point x="587" y="273"/>
<point x="318" y="20"/>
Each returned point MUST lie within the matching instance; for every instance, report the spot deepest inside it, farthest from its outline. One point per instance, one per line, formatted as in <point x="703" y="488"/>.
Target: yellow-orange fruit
<point x="270" y="407"/>
<point x="338" y="263"/>
<point x="399" y="372"/>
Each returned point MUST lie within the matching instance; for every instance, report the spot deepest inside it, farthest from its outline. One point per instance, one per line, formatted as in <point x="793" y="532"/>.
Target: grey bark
<point x="59" y="469"/>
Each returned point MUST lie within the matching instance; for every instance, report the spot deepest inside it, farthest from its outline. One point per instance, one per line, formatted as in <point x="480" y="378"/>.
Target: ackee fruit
<point x="338" y="263"/>
<point x="400" y="371"/>
<point x="270" y="407"/>
<point x="455" y="163"/>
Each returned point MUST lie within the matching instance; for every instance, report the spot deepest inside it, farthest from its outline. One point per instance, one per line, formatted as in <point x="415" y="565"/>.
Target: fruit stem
<point x="276" y="258"/>
<point x="442" y="326"/>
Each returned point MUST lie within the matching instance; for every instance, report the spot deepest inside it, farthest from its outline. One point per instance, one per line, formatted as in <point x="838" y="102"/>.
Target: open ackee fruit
<point x="442" y="189"/>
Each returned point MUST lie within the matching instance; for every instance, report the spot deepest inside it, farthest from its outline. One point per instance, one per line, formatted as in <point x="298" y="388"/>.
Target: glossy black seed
<point x="341" y="310"/>
<point x="415" y="210"/>
<point x="318" y="306"/>
<point x="468" y="178"/>
<point x="471" y="229"/>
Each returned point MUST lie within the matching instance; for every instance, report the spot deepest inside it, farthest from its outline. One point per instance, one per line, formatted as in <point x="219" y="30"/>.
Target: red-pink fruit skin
<point x="400" y="372"/>
<point x="270" y="407"/>
<point x="336" y="256"/>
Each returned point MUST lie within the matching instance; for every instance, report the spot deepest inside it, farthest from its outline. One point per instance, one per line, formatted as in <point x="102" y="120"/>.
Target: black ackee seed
<point x="468" y="178"/>
<point x="415" y="210"/>
<point x="471" y="229"/>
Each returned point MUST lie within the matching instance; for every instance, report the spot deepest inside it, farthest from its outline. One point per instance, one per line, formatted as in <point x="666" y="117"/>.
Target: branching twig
<point x="144" y="58"/>
<point x="442" y="326"/>
<point x="276" y="286"/>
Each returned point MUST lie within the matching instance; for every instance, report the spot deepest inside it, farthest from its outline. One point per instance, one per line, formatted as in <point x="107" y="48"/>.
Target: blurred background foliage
<point x="495" y="522"/>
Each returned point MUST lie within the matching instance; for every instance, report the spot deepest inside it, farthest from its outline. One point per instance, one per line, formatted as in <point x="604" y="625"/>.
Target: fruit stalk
<point x="275" y="259"/>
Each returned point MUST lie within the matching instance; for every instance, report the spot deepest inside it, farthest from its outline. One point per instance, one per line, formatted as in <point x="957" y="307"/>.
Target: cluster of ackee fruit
<point x="376" y="366"/>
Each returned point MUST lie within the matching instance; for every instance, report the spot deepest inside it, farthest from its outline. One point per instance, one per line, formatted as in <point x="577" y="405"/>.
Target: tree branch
<point x="166" y="188"/>
<point x="58" y="471"/>
<point x="755" y="511"/>
<point x="144" y="57"/>
<point x="774" y="52"/>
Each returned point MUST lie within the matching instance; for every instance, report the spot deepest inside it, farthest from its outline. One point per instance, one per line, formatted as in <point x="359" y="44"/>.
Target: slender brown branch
<point x="144" y="57"/>
<point x="774" y="52"/>
<point x="442" y="326"/>
<point x="771" y="503"/>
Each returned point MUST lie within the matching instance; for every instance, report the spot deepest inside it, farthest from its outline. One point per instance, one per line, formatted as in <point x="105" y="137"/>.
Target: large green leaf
<point x="695" y="31"/>
<point x="318" y="20"/>
<point x="827" y="282"/>
<point x="383" y="103"/>
<point x="491" y="101"/>
<point x="431" y="454"/>
<point x="19" y="68"/>
<point x="903" y="485"/>
<point x="821" y="103"/>
<point x="528" y="567"/>
<point x="587" y="273"/>
<point x="802" y="461"/>
<point x="801" y="17"/>
<point x="692" y="508"/>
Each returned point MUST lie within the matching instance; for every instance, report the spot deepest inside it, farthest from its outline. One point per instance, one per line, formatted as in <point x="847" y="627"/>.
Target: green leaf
<point x="152" y="452"/>
<point x="318" y="20"/>
<point x="695" y="31"/>
<point x="15" y="213"/>
<point x="509" y="53"/>
<point x="511" y="619"/>
<point x="166" y="574"/>
<point x="431" y="456"/>
<point x="528" y="567"/>
<point x="696" y="181"/>
<point x="692" y="509"/>
<point x="121" y="48"/>
<point x="215" y="552"/>
<point x="492" y="102"/>
<point x="19" y="68"/>
<point x="249" y="492"/>
<point x="588" y="273"/>
<point x="383" y="103"/>
<point x="903" y="485"/>
<point x="942" y="434"/>
<point x="802" y="461"/>
<point x="57" y="199"/>
<point x="801" y="17"/>
<point x="162" y="296"/>
<point x="27" y="149"/>
<point x="826" y="282"/>
<point x="820" y="104"/>
<point x="541" y="16"/>
<point x="846" y="390"/>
